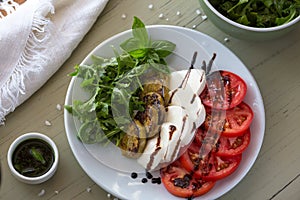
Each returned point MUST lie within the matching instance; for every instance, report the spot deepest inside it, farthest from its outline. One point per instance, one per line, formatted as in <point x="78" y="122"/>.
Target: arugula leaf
<point x="283" y="20"/>
<point x="268" y="3"/>
<point x="236" y="5"/>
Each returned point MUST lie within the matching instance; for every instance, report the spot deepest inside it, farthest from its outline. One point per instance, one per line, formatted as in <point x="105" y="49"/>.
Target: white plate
<point x="112" y="172"/>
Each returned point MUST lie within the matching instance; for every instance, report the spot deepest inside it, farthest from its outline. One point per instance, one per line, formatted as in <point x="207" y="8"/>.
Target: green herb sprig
<point x="117" y="76"/>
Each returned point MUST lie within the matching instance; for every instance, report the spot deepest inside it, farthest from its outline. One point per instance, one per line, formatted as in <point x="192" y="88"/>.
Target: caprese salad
<point x="192" y="124"/>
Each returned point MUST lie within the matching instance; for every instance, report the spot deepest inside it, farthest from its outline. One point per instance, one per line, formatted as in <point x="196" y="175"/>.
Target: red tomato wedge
<point x="236" y="122"/>
<point x="224" y="90"/>
<point x="231" y="146"/>
<point x="211" y="167"/>
<point x="181" y="183"/>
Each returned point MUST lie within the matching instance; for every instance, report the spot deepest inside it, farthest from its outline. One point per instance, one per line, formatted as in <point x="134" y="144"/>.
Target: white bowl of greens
<point x="253" y="20"/>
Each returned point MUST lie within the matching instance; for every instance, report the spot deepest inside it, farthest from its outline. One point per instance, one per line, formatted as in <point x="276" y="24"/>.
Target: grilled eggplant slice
<point x="134" y="142"/>
<point x="157" y="86"/>
<point x="154" y="114"/>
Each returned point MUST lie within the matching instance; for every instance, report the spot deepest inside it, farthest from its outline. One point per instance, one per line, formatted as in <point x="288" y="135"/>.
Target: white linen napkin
<point x="35" y="39"/>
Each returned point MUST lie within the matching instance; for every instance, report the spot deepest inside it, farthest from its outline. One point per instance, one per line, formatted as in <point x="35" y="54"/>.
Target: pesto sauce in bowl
<point x="33" y="157"/>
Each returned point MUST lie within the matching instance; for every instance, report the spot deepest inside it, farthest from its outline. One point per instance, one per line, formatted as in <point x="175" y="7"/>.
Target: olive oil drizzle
<point x="33" y="157"/>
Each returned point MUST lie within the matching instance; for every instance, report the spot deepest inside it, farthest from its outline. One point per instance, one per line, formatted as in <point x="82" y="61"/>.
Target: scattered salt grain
<point x="160" y="16"/>
<point x="48" y="123"/>
<point x="194" y="26"/>
<point x="198" y="12"/>
<point x="150" y="6"/>
<point x="123" y="16"/>
<point x="116" y="198"/>
<point x="167" y="19"/>
<point x="56" y="192"/>
<point x="226" y="39"/>
<point x="204" y="17"/>
<point x="178" y="13"/>
<point x="88" y="189"/>
<point x="58" y="107"/>
<point x="108" y="195"/>
<point x="41" y="193"/>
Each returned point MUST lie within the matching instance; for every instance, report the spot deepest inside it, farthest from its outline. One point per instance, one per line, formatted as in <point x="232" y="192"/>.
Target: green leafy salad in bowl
<point x="258" y="13"/>
<point x="254" y="20"/>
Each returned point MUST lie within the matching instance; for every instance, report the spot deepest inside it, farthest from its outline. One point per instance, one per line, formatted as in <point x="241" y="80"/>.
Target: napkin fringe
<point x="30" y="61"/>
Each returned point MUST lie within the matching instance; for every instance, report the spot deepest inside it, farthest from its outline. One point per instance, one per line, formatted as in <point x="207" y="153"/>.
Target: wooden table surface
<point x="274" y="64"/>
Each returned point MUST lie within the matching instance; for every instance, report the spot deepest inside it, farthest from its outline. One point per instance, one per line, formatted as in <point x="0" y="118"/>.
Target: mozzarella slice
<point x="193" y="106"/>
<point x="189" y="101"/>
<point x="154" y="152"/>
<point x="176" y="126"/>
<point x="196" y="80"/>
<point x="193" y="125"/>
<point x="201" y="114"/>
<point x="183" y="116"/>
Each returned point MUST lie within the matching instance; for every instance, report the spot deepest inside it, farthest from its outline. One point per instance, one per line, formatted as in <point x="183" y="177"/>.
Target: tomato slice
<point x="221" y="167"/>
<point x="200" y="134"/>
<point x="231" y="146"/>
<point x="191" y="162"/>
<point x="224" y="90"/>
<point x="236" y="122"/>
<point x="211" y="167"/>
<point x="181" y="183"/>
<point x="226" y="146"/>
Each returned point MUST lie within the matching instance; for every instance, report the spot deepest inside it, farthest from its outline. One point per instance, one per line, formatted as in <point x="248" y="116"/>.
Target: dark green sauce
<point x="33" y="157"/>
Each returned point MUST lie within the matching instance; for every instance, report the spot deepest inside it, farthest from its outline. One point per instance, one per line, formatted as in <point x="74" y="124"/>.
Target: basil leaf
<point x="163" y="48"/>
<point x="138" y="45"/>
<point x="37" y="155"/>
<point x="134" y="47"/>
<point x="161" y="68"/>
<point x="139" y="32"/>
<point x="153" y="57"/>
